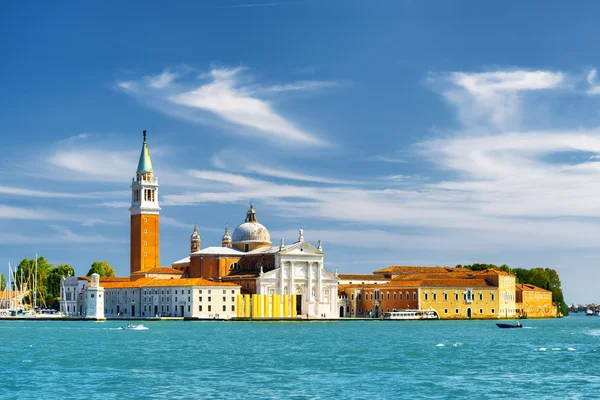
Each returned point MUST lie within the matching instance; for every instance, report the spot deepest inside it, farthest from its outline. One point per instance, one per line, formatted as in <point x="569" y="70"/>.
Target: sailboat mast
<point x="35" y="284"/>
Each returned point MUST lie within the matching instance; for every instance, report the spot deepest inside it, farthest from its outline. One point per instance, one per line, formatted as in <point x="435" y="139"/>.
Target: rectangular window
<point x="224" y="300"/>
<point x="200" y="291"/>
<point x="208" y="291"/>
<point x="395" y="295"/>
<point x="492" y="310"/>
<point x="189" y="308"/>
<point x="224" y="291"/>
<point x="456" y="296"/>
<point x="232" y="308"/>
<point x="233" y="299"/>
<point x="209" y="298"/>
<point x="445" y="297"/>
<point x="480" y="296"/>
<point x="232" y="291"/>
<point x="209" y="308"/>
<point x="434" y="296"/>
<point x="457" y="310"/>
<point x="200" y="308"/>
<point x="425" y="295"/>
<point x="493" y="296"/>
<point x="224" y="307"/>
<point x="200" y="298"/>
<point x="445" y="311"/>
<point x="388" y="295"/>
<point x="481" y="311"/>
<point x="400" y="295"/>
<point x="167" y="308"/>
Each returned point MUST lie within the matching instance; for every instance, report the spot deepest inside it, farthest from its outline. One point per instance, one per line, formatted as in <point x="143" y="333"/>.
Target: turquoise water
<point x="283" y="360"/>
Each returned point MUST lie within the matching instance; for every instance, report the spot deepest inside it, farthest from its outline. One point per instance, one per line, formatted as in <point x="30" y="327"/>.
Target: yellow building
<point x="534" y="302"/>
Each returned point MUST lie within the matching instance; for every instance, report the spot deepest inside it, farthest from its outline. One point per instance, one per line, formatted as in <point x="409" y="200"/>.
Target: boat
<point x="589" y="312"/>
<point x="411" y="315"/>
<point x="131" y="327"/>
<point x="507" y="326"/>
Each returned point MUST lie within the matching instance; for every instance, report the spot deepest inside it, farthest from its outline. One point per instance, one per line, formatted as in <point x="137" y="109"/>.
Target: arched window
<point x="234" y="266"/>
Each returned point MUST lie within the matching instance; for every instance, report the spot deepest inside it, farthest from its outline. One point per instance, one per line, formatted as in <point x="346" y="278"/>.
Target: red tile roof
<point x="530" y="288"/>
<point x="156" y="282"/>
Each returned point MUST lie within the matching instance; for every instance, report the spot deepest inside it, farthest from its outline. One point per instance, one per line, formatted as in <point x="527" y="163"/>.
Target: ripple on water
<point x="454" y="359"/>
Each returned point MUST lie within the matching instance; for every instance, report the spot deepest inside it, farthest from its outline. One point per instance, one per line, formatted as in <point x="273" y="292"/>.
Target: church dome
<point x="251" y="231"/>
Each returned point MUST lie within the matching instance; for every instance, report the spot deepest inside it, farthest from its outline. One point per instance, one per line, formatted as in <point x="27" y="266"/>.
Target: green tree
<point x="26" y="273"/>
<point x="101" y="268"/>
<point x="54" y="279"/>
<point x="2" y="282"/>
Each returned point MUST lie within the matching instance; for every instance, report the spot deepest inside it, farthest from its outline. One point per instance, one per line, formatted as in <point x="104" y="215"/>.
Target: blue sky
<point x="398" y="132"/>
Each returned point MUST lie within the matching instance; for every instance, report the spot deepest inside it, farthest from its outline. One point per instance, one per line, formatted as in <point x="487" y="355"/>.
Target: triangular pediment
<point x="302" y="248"/>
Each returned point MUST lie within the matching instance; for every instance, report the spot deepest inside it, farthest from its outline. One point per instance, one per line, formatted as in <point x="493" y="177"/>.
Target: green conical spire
<point x="145" y="165"/>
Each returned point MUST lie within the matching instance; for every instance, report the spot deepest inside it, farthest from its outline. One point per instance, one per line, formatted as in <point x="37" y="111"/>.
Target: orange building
<point x="534" y="302"/>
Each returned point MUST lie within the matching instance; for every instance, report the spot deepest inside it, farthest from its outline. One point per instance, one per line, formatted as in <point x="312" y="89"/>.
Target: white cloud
<point x="494" y="99"/>
<point x="161" y="80"/>
<point x="227" y="100"/>
<point x="40" y="193"/>
<point x="304" y="86"/>
<point x="68" y="236"/>
<point x="12" y="212"/>
<point x="592" y="79"/>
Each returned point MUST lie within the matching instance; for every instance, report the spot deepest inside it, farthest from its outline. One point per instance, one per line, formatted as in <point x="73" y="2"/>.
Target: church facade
<point x="247" y="258"/>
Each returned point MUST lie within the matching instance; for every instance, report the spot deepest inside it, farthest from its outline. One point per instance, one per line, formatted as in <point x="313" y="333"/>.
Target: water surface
<point x="548" y="359"/>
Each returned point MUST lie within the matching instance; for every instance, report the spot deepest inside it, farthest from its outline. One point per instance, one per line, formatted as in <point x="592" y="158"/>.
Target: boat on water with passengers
<point x="508" y="326"/>
<point x="408" y="315"/>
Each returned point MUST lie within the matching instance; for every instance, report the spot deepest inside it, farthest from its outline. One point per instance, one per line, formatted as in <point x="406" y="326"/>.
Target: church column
<point x="281" y="284"/>
<point x="292" y="283"/>
<point x="310" y="283"/>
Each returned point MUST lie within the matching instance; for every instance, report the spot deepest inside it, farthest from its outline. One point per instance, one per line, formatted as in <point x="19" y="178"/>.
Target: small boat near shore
<point x="411" y="315"/>
<point x="508" y="326"/>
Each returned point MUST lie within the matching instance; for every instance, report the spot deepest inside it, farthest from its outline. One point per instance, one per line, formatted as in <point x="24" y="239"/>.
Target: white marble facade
<point x="300" y="272"/>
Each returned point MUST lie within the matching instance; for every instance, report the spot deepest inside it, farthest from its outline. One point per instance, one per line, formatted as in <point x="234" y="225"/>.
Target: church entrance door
<point x="341" y="311"/>
<point x="156" y="311"/>
<point x="182" y="311"/>
<point x="133" y="311"/>
<point x="298" y="304"/>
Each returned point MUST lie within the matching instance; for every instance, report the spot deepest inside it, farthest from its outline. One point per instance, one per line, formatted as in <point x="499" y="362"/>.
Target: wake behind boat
<point x="131" y="327"/>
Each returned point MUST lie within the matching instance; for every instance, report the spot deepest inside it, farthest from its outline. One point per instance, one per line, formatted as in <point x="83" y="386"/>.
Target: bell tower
<point x="194" y="241"/>
<point x="144" y="210"/>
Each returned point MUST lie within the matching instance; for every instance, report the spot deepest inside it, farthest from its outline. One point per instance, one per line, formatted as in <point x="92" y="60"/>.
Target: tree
<point x="26" y="272"/>
<point x="2" y="283"/>
<point x="54" y="279"/>
<point x="101" y="268"/>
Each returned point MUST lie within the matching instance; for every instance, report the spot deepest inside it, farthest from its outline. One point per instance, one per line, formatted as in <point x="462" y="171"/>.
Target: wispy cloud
<point x="14" y="191"/>
<point x="304" y="86"/>
<point x="230" y="95"/>
<point x="68" y="236"/>
<point x="592" y="79"/>
<point x="493" y="98"/>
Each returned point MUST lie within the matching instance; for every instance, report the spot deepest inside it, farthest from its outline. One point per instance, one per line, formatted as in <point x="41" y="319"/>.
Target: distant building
<point x="534" y="302"/>
<point x="454" y="293"/>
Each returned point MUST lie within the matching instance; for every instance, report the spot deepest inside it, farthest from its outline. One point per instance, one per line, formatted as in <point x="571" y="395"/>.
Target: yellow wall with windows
<point x="484" y="303"/>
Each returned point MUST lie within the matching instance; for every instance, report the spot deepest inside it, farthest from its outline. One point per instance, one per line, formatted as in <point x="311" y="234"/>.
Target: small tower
<point x="194" y="241"/>
<point x="94" y="299"/>
<point x="226" y="240"/>
<point x="320" y="246"/>
<point x="144" y="210"/>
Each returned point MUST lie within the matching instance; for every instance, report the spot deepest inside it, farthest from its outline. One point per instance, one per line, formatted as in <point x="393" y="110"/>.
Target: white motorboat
<point x="411" y="315"/>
